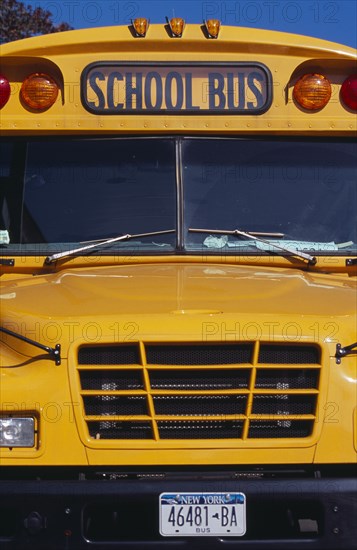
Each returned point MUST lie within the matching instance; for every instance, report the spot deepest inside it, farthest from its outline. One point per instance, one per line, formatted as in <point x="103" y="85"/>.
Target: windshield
<point x="304" y="191"/>
<point x="292" y="194"/>
<point x="80" y="190"/>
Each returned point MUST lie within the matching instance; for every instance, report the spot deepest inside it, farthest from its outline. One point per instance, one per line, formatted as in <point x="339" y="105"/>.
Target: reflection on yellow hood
<point x="162" y="289"/>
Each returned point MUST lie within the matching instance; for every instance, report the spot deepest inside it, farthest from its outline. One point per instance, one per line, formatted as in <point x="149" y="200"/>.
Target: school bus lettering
<point x="114" y="89"/>
<point x="222" y="91"/>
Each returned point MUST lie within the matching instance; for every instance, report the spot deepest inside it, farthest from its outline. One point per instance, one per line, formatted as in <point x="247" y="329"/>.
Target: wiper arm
<point x="127" y="237"/>
<point x="256" y="236"/>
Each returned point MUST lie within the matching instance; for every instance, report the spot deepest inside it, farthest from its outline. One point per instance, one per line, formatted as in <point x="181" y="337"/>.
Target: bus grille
<point x="150" y="391"/>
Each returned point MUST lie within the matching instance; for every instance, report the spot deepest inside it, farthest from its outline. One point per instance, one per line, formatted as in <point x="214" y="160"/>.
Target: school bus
<point x="178" y="289"/>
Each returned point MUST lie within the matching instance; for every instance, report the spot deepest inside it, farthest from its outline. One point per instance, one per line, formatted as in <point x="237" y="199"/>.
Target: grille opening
<point x="289" y="353"/>
<point x="122" y="354"/>
<point x="280" y="379"/>
<point x="285" y="404"/>
<point x="99" y="405"/>
<point x="200" y="429"/>
<point x="112" y="380"/>
<point x="208" y="379"/>
<point x="198" y="354"/>
<point x="284" y="428"/>
<point x="200" y="404"/>
<point x="106" y="429"/>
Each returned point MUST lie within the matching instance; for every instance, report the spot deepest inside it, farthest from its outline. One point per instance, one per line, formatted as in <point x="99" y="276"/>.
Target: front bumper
<point x="105" y="510"/>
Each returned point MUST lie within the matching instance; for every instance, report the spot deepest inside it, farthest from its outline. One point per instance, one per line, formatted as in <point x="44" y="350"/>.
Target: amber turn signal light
<point x="312" y="91"/>
<point x="39" y="91"/>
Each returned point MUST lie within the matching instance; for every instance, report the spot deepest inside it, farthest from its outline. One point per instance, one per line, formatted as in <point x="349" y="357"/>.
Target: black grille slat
<point x="200" y="405"/>
<point x="109" y="355"/>
<point x="120" y="430"/>
<point x="281" y="379"/>
<point x="284" y="404"/>
<point x="207" y="379"/>
<point x="99" y="405"/>
<point x="288" y="353"/>
<point x="191" y="354"/>
<point x="200" y="429"/>
<point x="284" y="428"/>
<point x="112" y="380"/>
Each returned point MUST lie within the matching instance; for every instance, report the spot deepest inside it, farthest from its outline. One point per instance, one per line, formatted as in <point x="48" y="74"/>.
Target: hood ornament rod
<point x="343" y="351"/>
<point x="54" y="353"/>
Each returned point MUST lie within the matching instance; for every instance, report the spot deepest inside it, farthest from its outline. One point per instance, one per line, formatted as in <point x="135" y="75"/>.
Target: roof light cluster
<point x="176" y="26"/>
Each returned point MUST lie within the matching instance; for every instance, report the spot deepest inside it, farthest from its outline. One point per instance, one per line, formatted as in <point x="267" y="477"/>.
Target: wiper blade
<point x="256" y="236"/>
<point x="104" y="242"/>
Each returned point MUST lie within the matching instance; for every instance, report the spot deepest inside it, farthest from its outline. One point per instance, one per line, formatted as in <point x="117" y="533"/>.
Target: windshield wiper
<point x="256" y="236"/>
<point x="104" y="242"/>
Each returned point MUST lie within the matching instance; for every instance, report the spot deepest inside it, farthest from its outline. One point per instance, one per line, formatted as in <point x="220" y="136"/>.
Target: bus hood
<point x="156" y="289"/>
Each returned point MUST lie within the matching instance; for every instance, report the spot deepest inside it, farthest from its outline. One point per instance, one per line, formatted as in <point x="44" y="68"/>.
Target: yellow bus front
<point x="178" y="289"/>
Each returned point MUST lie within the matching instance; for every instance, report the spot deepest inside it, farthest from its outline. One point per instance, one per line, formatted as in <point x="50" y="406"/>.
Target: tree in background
<point x="20" y="21"/>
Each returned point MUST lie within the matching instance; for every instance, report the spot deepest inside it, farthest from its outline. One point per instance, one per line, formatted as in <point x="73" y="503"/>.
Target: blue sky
<point x="334" y="20"/>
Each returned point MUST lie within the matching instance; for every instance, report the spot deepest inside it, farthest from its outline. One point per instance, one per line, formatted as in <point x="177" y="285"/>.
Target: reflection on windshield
<point x="60" y="194"/>
<point x="305" y="190"/>
<point x="84" y="190"/>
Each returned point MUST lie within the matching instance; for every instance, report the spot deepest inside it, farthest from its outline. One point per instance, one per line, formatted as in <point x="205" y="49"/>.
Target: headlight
<point x="17" y="432"/>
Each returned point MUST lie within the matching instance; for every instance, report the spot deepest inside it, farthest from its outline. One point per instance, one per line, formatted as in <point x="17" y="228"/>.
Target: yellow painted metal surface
<point x="67" y="55"/>
<point x="192" y="303"/>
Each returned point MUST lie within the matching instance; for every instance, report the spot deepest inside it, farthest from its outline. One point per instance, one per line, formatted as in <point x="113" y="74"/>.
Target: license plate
<point x="202" y="514"/>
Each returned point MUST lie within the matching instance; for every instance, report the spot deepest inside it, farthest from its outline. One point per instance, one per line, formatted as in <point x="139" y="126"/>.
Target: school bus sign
<point x="117" y="88"/>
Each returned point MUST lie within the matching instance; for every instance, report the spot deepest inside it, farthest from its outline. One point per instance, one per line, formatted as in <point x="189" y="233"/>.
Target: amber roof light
<point x="141" y="26"/>
<point x="177" y="26"/>
<point x="213" y="27"/>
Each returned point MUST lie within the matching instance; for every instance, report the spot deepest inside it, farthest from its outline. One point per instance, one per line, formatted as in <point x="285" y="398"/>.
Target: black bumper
<point x="114" y="510"/>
